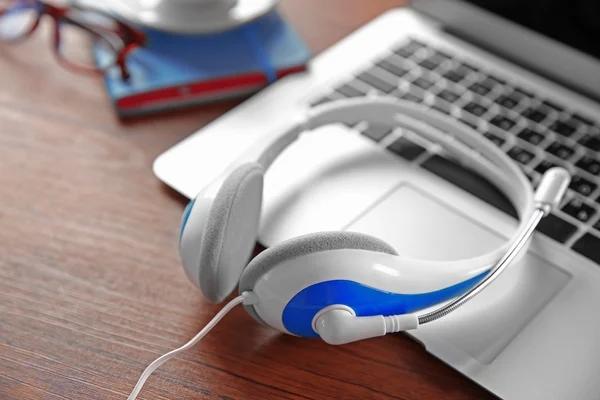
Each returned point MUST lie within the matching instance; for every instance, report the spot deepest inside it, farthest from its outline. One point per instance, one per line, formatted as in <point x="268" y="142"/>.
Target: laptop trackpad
<point x="438" y="231"/>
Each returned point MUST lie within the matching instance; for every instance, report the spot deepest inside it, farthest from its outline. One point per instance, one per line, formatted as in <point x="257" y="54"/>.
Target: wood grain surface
<point x="91" y="288"/>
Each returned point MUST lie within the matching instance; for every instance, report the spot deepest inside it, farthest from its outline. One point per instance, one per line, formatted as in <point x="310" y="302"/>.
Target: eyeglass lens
<point x="18" y="18"/>
<point x="83" y="30"/>
<point x="88" y="38"/>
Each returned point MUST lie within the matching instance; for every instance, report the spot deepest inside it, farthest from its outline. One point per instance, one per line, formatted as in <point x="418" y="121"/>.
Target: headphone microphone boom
<point x="346" y="286"/>
<point x="339" y="325"/>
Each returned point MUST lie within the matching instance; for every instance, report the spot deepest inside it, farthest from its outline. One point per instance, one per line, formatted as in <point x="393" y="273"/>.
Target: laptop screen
<point x="574" y="22"/>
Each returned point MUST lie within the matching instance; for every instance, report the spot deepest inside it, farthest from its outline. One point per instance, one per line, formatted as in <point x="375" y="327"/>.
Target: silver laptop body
<point x="534" y="333"/>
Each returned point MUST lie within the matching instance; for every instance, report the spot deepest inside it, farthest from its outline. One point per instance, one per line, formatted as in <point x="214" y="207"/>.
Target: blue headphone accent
<point x="186" y="216"/>
<point x="364" y="300"/>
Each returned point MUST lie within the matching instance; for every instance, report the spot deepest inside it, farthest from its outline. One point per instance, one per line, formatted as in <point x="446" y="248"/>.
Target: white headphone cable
<point x="246" y="297"/>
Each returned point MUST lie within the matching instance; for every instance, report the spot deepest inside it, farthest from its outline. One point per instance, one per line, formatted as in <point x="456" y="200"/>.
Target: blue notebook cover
<point x="173" y="71"/>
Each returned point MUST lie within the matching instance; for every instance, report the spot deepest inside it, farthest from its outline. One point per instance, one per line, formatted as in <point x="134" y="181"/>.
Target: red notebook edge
<point x="222" y="88"/>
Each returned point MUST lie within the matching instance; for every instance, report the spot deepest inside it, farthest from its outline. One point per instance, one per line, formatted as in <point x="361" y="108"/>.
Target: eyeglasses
<point x="74" y="27"/>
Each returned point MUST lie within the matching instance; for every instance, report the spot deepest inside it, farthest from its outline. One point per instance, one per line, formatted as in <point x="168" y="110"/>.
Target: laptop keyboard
<point x="538" y="133"/>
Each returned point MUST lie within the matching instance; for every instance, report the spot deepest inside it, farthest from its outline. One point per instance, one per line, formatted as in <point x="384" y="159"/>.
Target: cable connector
<point x="401" y="323"/>
<point x="250" y="298"/>
<point x="339" y="325"/>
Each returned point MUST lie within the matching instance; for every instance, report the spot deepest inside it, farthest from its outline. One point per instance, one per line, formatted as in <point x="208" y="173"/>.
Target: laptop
<point x="524" y="74"/>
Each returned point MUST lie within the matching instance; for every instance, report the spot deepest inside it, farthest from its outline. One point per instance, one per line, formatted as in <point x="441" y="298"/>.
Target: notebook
<point x="174" y="71"/>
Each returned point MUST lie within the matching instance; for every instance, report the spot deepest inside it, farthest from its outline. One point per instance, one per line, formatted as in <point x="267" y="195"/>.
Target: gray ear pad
<point x="230" y="233"/>
<point x="302" y="245"/>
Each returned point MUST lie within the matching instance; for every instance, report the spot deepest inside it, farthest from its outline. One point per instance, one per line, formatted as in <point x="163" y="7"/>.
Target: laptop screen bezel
<point x="570" y="67"/>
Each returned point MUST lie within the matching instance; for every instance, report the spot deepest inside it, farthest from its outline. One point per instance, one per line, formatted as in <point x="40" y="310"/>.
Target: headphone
<point x="346" y="286"/>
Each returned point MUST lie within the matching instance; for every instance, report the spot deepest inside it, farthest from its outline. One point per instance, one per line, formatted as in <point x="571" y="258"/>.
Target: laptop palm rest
<point x="486" y="325"/>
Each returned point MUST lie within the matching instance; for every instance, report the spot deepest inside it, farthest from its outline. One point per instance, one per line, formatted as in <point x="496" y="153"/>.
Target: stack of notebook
<point x="174" y="71"/>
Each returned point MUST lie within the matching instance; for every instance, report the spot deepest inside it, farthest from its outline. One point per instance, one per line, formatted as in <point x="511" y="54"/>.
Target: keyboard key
<point x="453" y="76"/>
<point x="417" y="98"/>
<point x="578" y="121"/>
<point x="448" y="95"/>
<point x="457" y="73"/>
<point x="579" y="210"/>
<point x="560" y="150"/>
<point x="498" y="141"/>
<point x="469" y="181"/>
<point x="426" y="63"/>
<point x="503" y="122"/>
<point x="544" y="166"/>
<point x="556" y="228"/>
<point x="475" y="109"/>
<point x="444" y="55"/>
<point x="588" y="246"/>
<point x="582" y="185"/>
<point x="553" y="106"/>
<point x="372" y="79"/>
<point x="433" y="61"/>
<point x="509" y="101"/>
<point x="521" y="155"/>
<point x="590" y="165"/>
<point x="441" y="106"/>
<point x="377" y="132"/>
<point x="321" y="100"/>
<point x="563" y="128"/>
<point x="497" y="80"/>
<point x="469" y="67"/>
<point x="423" y="83"/>
<point x="409" y="49"/>
<point x="391" y="66"/>
<point x="531" y="136"/>
<point x="524" y="93"/>
<point x="414" y="97"/>
<point x="468" y="122"/>
<point x="591" y="142"/>
<point x="350" y="91"/>
<point x="535" y="114"/>
<point x="406" y="149"/>
<point x="591" y="130"/>
<point x="479" y="89"/>
<point x="490" y="82"/>
<point x="582" y="120"/>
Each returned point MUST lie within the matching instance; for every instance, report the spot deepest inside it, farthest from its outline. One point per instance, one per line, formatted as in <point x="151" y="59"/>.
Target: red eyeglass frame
<point x="129" y="37"/>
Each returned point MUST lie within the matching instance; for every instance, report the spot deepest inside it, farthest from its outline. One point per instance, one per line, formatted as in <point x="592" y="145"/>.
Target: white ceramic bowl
<point x="191" y="16"/>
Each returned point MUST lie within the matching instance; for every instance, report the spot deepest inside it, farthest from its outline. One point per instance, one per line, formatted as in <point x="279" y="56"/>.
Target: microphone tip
<point x="552" y="187"/>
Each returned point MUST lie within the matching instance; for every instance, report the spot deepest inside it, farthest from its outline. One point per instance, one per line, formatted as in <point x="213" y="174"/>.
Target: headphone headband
<point x="467" y="145"/>
<point x="456" y="138"/>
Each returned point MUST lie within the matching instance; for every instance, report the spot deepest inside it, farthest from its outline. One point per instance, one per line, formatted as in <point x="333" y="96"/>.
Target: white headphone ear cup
<point x="302" y="245"/>
<point x="217" y="245"/>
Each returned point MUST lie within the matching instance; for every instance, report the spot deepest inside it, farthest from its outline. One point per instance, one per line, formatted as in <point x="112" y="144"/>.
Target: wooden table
<point x="91" y="288"/>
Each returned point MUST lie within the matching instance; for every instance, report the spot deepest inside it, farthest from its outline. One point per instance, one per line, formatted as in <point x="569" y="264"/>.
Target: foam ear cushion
<point x="302" y="245"/>
<point x="229" y="236"/>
